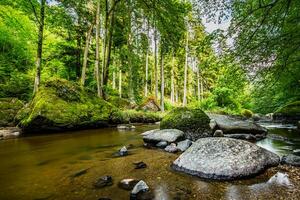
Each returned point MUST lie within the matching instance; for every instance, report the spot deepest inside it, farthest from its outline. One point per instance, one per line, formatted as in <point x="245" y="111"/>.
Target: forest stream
<point x="65" y="166"/>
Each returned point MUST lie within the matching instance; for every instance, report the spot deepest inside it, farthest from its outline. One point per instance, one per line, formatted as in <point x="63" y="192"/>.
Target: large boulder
<point x="224" y="159"/>
<point x="167" y="135"/>
<point x="288" y="113"/>
<point x="232" y="125"/>
<point x="62" y="105"/>
<point x="9" y="107"/>
<point x="150" y="105"/>
<point x="193" y="122"/>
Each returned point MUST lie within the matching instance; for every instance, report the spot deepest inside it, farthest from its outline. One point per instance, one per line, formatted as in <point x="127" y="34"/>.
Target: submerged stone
<point x="224" y="159"/>
<point x="128" y="184"/>
<point x="123" y="151"/>
<point x="103" y="182"/>
<point x="141" y="186"/>
<point x="140" y="165"/>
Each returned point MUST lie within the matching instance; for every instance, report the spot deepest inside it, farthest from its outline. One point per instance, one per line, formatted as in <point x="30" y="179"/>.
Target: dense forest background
<point x="155" y="49"/>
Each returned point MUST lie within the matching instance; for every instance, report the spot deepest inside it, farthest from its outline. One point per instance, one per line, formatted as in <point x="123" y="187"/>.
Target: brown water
<point x="43" y="167"/>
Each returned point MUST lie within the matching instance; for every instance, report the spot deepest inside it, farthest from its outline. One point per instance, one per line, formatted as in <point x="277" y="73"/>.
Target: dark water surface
<point x="65" y="166"/>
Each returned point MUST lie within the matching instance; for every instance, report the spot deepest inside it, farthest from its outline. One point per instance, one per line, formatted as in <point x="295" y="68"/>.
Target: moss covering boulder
<point x="62" y="105"/>
<point x="134" y="116"/>
<point x="9" y="107"/>
<point x="192" y="121"/>
<point x="289" y="112"/>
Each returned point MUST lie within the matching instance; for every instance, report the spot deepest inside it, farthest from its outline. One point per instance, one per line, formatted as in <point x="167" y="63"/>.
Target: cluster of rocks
<point x="139" y="188"/>
<point x="171" y="140"/>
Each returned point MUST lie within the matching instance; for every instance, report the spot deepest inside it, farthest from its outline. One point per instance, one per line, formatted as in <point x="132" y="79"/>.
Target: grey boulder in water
<point x="224" y="159"/>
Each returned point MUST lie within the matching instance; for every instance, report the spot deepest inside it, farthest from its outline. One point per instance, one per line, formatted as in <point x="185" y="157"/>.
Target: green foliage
<point x="9" y="108"/>
<point x="290" y="109"/>
<point x="134" y="116"/>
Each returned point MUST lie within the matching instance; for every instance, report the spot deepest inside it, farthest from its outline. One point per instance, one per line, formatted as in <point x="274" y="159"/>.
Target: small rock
<point x="10" y="132"/>
<point x="141" y="186"/>
<point x="172" y="148"/>
<point x="103" y="182"/>
<point x="140" y="165"/>
<point x="296" y="151"/>
<point x="212" y="124"/>
<point x="162" y="144"/>
<point x="241" y="136"/>
<point x="128" y="184"/>
<point x="291" y="160"/>
<point x="123" y="151"/>
<point x="280" y="179"/>
<point x="125" y="127"/>
<point x="184" y="145"/>
<point x="104" y="198"/>
<point x="218" y="133"/>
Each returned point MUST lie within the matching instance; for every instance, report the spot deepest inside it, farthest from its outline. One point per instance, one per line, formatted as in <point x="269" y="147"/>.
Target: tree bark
<point x="120" y="83"/>
<point x="185" y="70"/>
<point x="198" y="85"/>
<point x="155" y="64"/>
<point x="85" y="55"/>
<point x="108" y="52"/>
<point x="147" y="52"/>
<point x="40" y="48"/>
<point x="162" y="91"/>
<point x="172" y="78"/>
<point x="97" y="74"/>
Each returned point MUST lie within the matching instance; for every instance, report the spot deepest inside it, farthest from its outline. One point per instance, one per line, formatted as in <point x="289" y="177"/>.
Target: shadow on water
<point x="65" y="166"/>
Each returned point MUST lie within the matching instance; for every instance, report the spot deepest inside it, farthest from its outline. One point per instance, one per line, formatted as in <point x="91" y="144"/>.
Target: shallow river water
<point x="44" y="167"/>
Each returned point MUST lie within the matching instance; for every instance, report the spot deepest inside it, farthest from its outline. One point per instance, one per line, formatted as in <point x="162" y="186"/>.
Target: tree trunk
<point x="120" y="83"/>
<point x="202" y="91"/>
<point x="172" y="78"/>
<point x="85" y="55"/>
<point x="97" y="74"/>
<point x="40" y="48"/>
<point x="114" y="80"/>
<point x="185" y="71"/>
<point x="147" y="53"/>
<point x="108" y="53"/>
<point x="155" y="64"/>
<point x="162" y="91"/>
<point x="198" y="85"/>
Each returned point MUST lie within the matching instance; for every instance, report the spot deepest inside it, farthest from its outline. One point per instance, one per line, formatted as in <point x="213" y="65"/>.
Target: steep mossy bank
<point x="289" y="112"/>
<point x="8" y="110"/>
<point x="61" y="105"/>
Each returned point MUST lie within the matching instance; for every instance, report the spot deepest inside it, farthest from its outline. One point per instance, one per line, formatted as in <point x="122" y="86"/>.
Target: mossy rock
<point x="289" y="112"/>
<point x="120" y="103"/>
<point x="62" y="105"/>
<point x="192" y="121"/>
<point x="133" y="116"/>
<point x="9" y="107"/>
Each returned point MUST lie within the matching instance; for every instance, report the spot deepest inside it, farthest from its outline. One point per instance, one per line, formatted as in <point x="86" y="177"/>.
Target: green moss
<point x="120" y="103"/>
<point x="190" y="120"/>
<point x="60" y="104"/>
<point x="290" y="109"/>
<point x="8" y="110"/>
<point x="133" y="116"/>
<point x="247" y="113"/>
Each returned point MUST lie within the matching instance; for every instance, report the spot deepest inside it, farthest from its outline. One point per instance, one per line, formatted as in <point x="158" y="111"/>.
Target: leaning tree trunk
<point x="185" y="70"/>
<point x="162" y="91"/>
<point x="97" y="74"/>
<point x="40" y="47"/>
<point x="85" y="55"/>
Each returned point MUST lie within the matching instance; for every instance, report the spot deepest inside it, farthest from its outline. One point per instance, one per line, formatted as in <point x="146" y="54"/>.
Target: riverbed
<point x="65" y="166"/>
